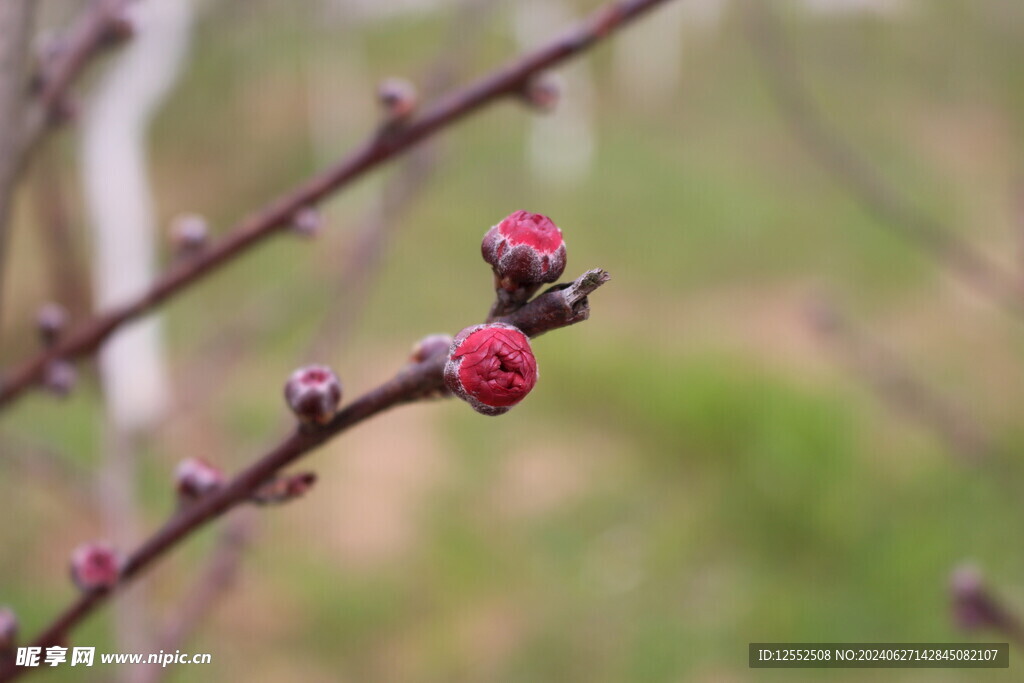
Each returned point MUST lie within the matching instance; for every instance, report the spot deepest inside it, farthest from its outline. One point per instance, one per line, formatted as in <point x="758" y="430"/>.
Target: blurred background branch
<point x="896" y="384"/>
<point x="840" y="158"/>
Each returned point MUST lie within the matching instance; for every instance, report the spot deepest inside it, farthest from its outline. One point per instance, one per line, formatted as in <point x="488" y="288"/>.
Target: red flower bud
<point x="8" y="630"/>
<point x="525" y="249"/>
<point x="95" y="566"/>
<point x="307" y="222"/>
<point x="196" y="478"/>
<point x="51" y="320"/>
<point x="313" y="393"/>
<point x="430" y="346"/>
<point x="189" y="234"/>
<point x="491" y="367"/>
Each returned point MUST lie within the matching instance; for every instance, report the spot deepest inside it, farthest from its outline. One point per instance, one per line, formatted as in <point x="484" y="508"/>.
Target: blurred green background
<point x="696" y="470"/>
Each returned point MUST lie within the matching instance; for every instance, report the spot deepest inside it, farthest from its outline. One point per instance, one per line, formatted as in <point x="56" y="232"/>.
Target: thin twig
<point x="841" y="160"/>
<point x="556" y="308"/>
<point x="505" y="81"/>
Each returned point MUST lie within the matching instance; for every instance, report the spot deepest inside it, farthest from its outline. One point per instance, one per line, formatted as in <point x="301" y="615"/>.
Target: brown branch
<point x="841" y="160"/>
<point x="555" y="309"/>
<point x="505" y="81"/>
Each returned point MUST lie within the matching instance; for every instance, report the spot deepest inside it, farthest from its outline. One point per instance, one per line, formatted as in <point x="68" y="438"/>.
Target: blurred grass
<point x="691" y="474"/>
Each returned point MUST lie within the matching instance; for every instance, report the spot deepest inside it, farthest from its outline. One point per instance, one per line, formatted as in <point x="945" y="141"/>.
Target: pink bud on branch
<point x="60" y="378"/>
<point x="307" y="222"/>
<point x="491" y="367"/>
<point x="189" y="234"/>
<point x="95" y="566"/>
<point x="429" y="346"/>
<point x="543" y="92"/>
<point x="975" y="608"/>
<point x="313" y="393"/>
<point x="51" y="320"/>
<point x="196" y="478"/>
<point x="398" y="99"/>
<point x="283" y="489"/>
<point x="525" y="250"/>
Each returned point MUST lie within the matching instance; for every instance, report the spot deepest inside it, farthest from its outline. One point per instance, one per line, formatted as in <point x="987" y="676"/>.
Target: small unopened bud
<point x="189" y="234"/>
<point x="398" y="99"/>
<point x="60" y="377"/>
<point x="307" y="222"/>
<point x="196" y="478"/>
<point x="313" y="393"/>
<point x="51" y="319"/>
<point x="8" y="630"/>
<point x="430" y="346"/>
<point x="95" y="566"/>
<point x="491" y="367"/>
<point x="525" y="250"/>
<point x="543" y="92"/>
<point x="972" y="605"/>
<point x="284" y="488"/>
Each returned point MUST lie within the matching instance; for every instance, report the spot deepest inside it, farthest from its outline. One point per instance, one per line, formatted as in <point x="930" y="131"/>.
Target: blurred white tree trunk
<point x="560" y="144"/>
<point x="124" y="228"/>
<point x="120" y="204"/>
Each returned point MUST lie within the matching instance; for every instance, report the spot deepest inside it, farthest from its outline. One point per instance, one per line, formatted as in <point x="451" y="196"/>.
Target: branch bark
<point x="449" y="110"/>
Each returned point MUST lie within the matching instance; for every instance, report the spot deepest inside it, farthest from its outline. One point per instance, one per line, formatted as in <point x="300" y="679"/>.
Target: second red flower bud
<point x="526" y="250"/>
<point x="491" y="367"/>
